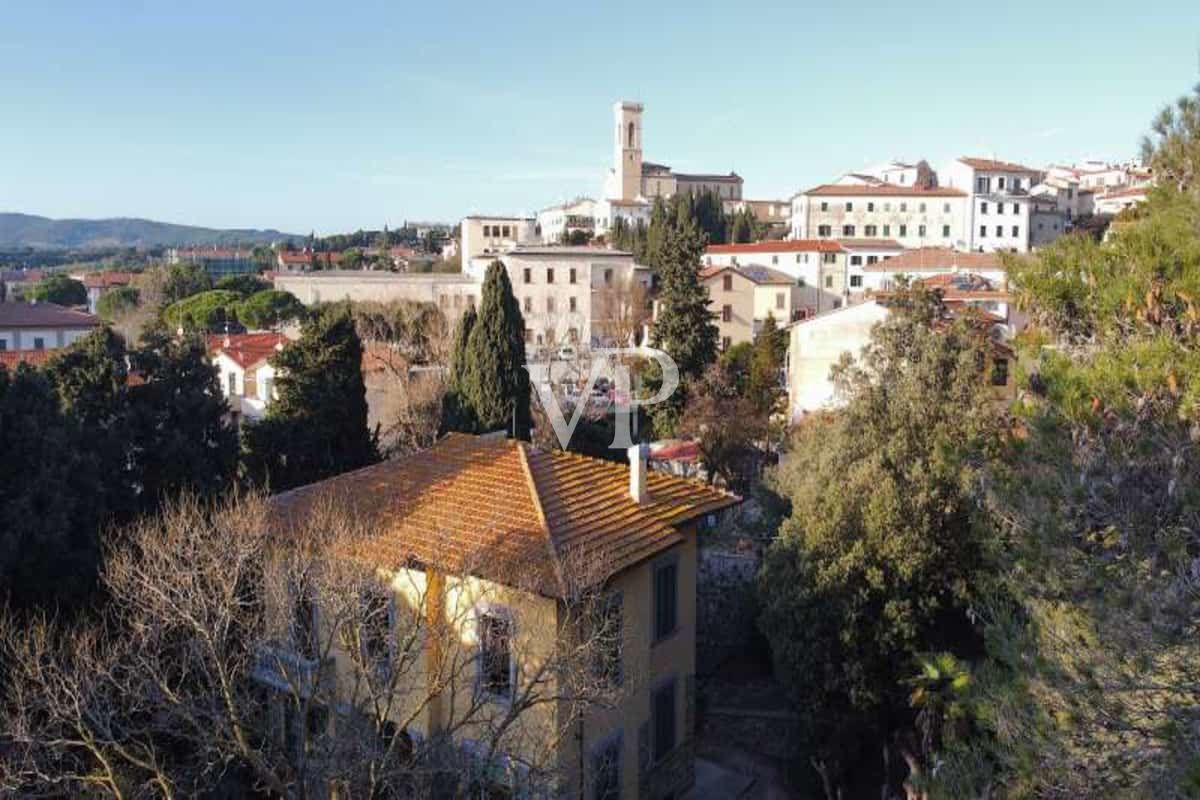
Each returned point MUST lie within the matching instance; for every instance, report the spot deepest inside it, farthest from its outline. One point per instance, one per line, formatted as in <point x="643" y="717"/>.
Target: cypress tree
<point x="456" y="415"/>
<point x="684" y="328"/>
<point x="495" y="383"/>
<point x="766" y="360"/>
<point x="317" y="426"/>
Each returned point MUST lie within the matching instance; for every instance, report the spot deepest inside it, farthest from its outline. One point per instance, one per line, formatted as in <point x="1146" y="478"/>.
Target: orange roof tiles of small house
<point x="779" y="246"/>
<point x="246" y="349"/>
<point x="9" y="359"/>
<point x="508" y="512"/>
<point x="992" y="165"/>
<point x="883" y="190"/>
<point x="925" y="259"/>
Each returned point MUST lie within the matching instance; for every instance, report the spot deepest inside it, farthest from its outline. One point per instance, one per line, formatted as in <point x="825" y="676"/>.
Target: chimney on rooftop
<point x="637" y="473"/>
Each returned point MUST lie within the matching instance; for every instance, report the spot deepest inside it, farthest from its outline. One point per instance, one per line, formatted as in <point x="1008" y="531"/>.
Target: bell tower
<point x="627" y="149"/>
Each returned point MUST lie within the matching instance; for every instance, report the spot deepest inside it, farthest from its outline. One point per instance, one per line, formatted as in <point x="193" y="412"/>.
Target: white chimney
<point x="637" y="472"/>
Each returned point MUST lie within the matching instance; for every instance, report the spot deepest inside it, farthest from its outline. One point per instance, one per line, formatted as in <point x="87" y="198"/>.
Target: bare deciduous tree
<point x="236" y="653"/>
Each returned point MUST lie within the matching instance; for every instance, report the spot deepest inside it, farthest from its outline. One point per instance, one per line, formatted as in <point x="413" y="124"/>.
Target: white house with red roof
<point x="100" y="283"/>
<point x="246" y="375"/>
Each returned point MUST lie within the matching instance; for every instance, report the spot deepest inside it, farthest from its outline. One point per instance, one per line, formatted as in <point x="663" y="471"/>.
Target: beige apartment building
<point x="913" y="216"/>
<point x="574" y="295"/>
<point x="741" y="298"/>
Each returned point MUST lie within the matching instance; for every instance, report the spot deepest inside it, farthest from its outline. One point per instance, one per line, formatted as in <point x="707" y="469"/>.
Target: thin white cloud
<point x="1049" y="133"/>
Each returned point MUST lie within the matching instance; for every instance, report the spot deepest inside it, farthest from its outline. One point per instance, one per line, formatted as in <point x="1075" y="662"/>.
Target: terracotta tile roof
<point x="755" y="273"/>
<point x="882" y="190"/>
<point x="22" y="275"/>
<point x="732" y="177"/>
<point x="674" y="450"/>
<point x="1124" y="191"/>
<point x="926" y="259"/>
<point x="991" y="165"/>
<point x="246" y="349"/>
<point x="9" y="359"/>
<point x="288" y="258"/>
<point x="43" y="315"/>
<point x="105" y="280"/>
<point x="509" y="512"/>
<point x="961" y="281"/>
<point x="870" y="244"/>
<point x="780" y="246"/>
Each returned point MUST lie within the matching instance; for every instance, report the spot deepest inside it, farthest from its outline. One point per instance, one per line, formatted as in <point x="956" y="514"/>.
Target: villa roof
<point x="870" y="244"/>
<point x="755" y="273"/>
<point x="942" y="259"/>
<point x="777" y="246"/>
<point x="43" y="315"/>
<point x="106" y="280"/>
<point x="992" y="165"/>
<point x="246" y="349"/>
<point x="508" y="512"/>
<point x="882" y="190"/>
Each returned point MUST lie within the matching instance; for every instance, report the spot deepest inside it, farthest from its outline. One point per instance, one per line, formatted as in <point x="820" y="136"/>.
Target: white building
<point x="1069" y="199"/>
<point x="816" y="344"/>
<point x="490" y="235"/>
<point x="899" y="173"/>
<point x="926" y="262"/>
<point x="42" y="326"/>
<point x="246" y="376"/>
<point x="555" y="222"/>
<point x="1114" y="201"/>
<point x="1001" y="209"/>
<point x="912" y="216"/>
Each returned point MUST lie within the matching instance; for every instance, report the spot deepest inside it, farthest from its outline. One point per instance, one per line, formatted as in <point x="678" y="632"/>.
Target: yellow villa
<point x="536" y="608"/>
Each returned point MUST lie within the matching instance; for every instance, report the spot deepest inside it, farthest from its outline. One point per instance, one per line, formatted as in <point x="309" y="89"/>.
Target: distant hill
<point x="26" y="230"/>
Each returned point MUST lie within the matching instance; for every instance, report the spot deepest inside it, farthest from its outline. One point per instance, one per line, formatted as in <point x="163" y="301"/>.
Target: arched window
<point x="630" y="140"/>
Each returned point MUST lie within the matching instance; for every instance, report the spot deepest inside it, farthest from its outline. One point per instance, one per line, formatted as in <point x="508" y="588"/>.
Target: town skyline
<point x="354" y="135"/>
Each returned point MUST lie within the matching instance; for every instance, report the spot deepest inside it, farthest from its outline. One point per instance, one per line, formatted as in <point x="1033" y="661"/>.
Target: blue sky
<point x="331" y="116"/>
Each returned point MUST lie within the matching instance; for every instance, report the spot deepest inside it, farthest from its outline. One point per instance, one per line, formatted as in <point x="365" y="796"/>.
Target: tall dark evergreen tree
<point x="48" y="550"/>
<point x="456" y="414"/>
<point x="317" y="427"/>
<point x="684" y="328"/>
<point x="90" y="380"/>
<point x="495" y="382"/>
<point x="710" y="216"/>
<point x="178" y="431"/>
